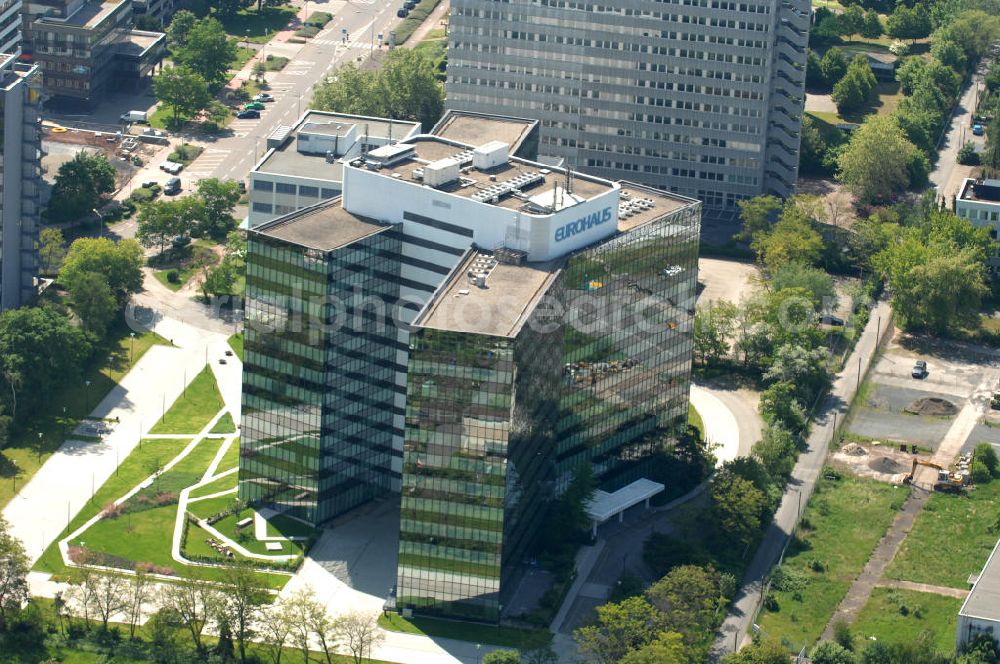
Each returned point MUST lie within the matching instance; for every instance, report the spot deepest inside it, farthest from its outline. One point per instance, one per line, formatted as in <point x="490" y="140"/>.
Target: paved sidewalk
<point x="807" y="470"/>
<point x="61" y="487"/>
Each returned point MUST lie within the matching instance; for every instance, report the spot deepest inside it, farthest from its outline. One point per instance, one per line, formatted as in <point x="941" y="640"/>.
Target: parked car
<point x="830" y="319"/>
<point x="919" y="369"/>
<point x="977" y="130"/>
<point x="410" y="4"/>
<point x="171" y="167"/>
<point x="263" y="96"/>
<point x="180" y="241"/>
<point x="248" y="115"/>
<point x="173" y="186"/>
<point x="253" y="106"/>
<point x="403" y="12"/>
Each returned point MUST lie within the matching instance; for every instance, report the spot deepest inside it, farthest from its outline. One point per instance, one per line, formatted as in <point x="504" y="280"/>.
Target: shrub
<point x="143" y="195"/>
<point x="967" y="155"/>
<point x="307" y="31"/>
<point x="980" y="472"/>
<point x="842" y="634"/>
<point x="319" y="19"/>
<point x="985" y="453"/>
<point x="174" y="277"/>
<point x="150" y="568"/>
<point x="185" y="153"/>
<point x="112" y="511"/>
<point x="787" y="579"/>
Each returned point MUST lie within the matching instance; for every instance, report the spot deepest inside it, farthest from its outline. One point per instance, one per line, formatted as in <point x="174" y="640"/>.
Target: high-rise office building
<point x="699" y="97"/>
<point x="20" y="96"/>
<point x="464" y="328"/>
<point x="10" y="27"/>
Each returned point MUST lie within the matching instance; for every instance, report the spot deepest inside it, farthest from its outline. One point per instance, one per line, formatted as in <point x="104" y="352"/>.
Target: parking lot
<point x="959" y="374"/>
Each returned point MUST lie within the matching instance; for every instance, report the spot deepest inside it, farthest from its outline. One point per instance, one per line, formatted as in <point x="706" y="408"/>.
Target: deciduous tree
<point x="92" y="300"/>
<point x="51" y="249"/>
<point x="208" y="51"/>
<point x="243" y="603"/>
<point x="119" y="263"/>
<point x="81" y="185"/>
<point x="196" y="604"/>
<point x="878" y="161"/>
<point x="183" y="90"/>
<point x="14" y="567"/>
<point x="618" y="630"/>
<point x="219" y="197"/>
<point x="737" y="506"/>
<point x="360" y="633"/>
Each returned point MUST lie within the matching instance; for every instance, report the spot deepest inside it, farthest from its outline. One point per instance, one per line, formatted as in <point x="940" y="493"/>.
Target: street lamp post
<point x="100" y="218"/>
<point x="39" y="447"/>
<point x="131" y="350"/>
<point x="87" y="382"/>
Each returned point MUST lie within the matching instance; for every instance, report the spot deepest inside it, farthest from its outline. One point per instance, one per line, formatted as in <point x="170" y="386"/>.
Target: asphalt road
<point x="734" y="630"/>
<point x="959" y="132"/>
<point x="232" y="157"/>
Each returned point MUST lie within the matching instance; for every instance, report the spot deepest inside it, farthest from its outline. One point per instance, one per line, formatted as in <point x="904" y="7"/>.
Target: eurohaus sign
<point x="583" y="224"/>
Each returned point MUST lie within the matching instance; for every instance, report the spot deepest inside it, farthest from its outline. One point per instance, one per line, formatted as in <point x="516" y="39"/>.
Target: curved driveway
<point x="731" y="421"/>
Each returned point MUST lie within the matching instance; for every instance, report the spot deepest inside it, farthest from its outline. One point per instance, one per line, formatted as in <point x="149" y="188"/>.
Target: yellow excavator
<point x="947" y="482"/>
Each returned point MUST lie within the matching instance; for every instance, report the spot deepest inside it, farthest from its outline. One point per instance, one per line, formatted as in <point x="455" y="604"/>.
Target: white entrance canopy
<point x="605" y="505"/>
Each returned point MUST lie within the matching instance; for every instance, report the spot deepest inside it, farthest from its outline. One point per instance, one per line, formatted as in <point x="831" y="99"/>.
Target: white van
<point x="134" y="116"/>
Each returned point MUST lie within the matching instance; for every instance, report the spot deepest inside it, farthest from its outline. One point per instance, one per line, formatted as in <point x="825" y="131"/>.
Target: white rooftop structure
<point x="603" y="505"/>
<point x="980" y="613"/>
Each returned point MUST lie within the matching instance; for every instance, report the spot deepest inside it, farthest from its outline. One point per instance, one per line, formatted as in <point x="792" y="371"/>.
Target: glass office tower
<point x="597" y="373"/>
<point x="318" y="380"/>
<point x="627" y="347"/>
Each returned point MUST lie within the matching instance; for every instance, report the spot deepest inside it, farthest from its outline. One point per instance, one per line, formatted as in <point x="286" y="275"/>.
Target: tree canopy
<point x="207" y="51"/>
<point x="404" y="88"/>
<point x="118" y="263"/>
<point x="181" y="89"/>
<point x="879" y="161"/>
<point x="80" y="186"/>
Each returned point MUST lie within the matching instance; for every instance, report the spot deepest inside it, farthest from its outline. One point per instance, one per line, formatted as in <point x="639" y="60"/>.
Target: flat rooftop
<point x="325" y="227"/>
<point x="476" y="129"/>
<point x="984" y="600"/>
<point x="497" y="310"/>
<point x="985" y="194"/>
<point x="431" y="148"/>
<point x="654" y="204"/>
<point x="139" y="41"/>
<point x="89" y="15"/>
<point x="287" y="160"/>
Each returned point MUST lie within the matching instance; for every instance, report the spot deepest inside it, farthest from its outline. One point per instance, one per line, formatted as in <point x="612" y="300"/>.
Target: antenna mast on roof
<point x="569" y="179"/>
<point x="364" y="143"/>
<point x="390" y="131"/>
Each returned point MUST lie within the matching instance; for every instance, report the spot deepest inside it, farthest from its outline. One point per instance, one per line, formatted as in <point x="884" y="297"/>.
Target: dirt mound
<point x="886" y="465"/>
<point x="935" y="406"/>
<point x="853" y="449"/>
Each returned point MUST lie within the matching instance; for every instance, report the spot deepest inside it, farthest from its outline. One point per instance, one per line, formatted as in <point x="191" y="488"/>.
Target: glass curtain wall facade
<point x="495" y="426"/>
<point x="627" y="347"/>
<point x="477" y="457"/>
<point x="319" y="374"/>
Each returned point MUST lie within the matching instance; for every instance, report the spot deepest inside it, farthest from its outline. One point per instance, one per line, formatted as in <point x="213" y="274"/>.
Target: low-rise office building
<point x="466" y="329"/>
<point x="980" y="613"/>
<point x="303" y="165"/>
<point x="979" y="201"/>
<point x="85" y="49"/>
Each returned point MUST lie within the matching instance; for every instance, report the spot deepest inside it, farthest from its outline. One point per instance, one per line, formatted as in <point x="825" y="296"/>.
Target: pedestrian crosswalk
<point x="208" y="162"/>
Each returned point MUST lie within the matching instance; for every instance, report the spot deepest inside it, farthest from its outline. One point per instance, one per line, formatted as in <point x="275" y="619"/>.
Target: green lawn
<point x="204" y="509"/>
<point x="225" y="424"/>
<point x="163" y="118"/>
<point x="694" y="419"/>
<point x="243" y="55"/>
<point x="522" y="639"/>
<point x="146" y="535"/>
<point x="194" y="408"/>
<point x="901" y="615"/>
<point x="215" y="486"/>
<point x="275" y="62"/>
<point x="887" y="98"/>
<point x="25" y="453"/>
<point x="185" y="153"/>
<point x="258" y="27"/>
<point x="236" y="343"/>
<point x="152" y="453"/>
<point x="834" y="544"/>
<point x="183" y="275"/>
<point x="951" y="538"/>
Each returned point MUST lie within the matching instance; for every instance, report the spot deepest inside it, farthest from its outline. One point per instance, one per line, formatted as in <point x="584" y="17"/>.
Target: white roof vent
<point x="490" y="155"/>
